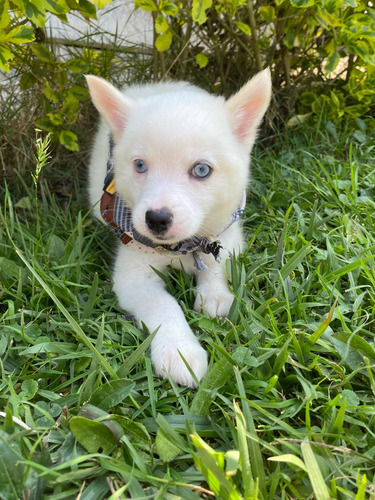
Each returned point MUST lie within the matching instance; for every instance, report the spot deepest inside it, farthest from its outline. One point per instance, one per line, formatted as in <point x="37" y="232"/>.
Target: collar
<point x="118" y="217"/>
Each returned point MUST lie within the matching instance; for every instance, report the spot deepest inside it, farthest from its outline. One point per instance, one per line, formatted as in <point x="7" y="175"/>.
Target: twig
<point x="254" y="35"/>
<point x="18" y="422"/>
<point x="316" y="443"/>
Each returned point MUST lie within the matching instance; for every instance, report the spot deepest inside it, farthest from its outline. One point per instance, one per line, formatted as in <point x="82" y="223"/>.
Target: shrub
<point x="321" y="54"/>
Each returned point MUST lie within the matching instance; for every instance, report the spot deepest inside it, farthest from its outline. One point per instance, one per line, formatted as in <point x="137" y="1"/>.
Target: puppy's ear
<point x="247" y="107"/>
<point x="110" y="102"/>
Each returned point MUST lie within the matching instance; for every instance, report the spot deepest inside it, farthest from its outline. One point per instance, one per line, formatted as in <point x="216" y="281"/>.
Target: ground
<point x="287" y="408"/>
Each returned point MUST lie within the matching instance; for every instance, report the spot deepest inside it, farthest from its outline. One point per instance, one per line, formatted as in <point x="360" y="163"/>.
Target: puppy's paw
<point x="167" y="360"/>
<point x="217" y="304"/>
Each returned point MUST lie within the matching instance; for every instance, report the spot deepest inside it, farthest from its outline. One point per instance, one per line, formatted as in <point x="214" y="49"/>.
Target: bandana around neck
<point x="118" y="217"/>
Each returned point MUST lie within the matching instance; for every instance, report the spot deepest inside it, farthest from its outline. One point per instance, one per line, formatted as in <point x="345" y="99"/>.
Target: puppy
<point x="168" y="173"/>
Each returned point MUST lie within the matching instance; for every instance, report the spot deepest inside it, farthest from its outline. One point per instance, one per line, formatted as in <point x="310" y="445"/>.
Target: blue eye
<point x="140" y="166"/>
<point x="201" y="170"/>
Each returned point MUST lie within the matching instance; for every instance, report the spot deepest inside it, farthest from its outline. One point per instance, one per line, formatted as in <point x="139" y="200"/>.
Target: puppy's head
<point x="181" y="155"/>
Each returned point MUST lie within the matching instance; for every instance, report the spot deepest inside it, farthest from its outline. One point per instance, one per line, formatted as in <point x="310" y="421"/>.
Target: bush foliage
<point x="321" y="54"/>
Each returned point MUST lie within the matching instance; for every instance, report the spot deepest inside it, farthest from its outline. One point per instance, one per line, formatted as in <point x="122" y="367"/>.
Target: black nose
<point x="159" y="221"/>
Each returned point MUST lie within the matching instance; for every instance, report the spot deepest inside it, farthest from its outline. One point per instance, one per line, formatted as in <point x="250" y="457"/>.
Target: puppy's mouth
<point x="165" y="240"/>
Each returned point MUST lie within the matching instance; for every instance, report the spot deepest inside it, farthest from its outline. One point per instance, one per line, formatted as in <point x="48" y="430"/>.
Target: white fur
<point x="172" y="127"/>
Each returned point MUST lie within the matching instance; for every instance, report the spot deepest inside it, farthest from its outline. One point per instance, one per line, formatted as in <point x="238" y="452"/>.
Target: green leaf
<point x="4" y="14"/>
<point x="356" y="343"/>
<point x="73" y="323"/>
<point x="94" y="413"/>
<point x="147" y="5"/>
<point x="93" y="436"/>
<point x="85" y="7"/>
<point x="80" y="93"/>
<point x="5" y="57"/>
<point x="168" y="8"/>
<point x="27" y="81"/>
<point x="316" y="478"/>
<point x="101" y="3"/>
<point x="165" y="448"/>
<point x="55" y="118"/>
<point x="163" y="42"/>
<point x="51" y="94"/>
<point x="112" y="393"/>
<point x="209" y="463"/>
<point x="233" y="462"/>
<point x="45" y="124"/>
<point x="302" y="3"/>
<point x="289" y="459"/>
<point x="12" y="472"/>
<point x="361" y="493"/>
<point x="69" y="140"/>
<point x="171" y="434"/>
<point x="219" y="373"/>
<point x="202" y="60"/>
<point x="43" y="53"/>
<point x="294" y="261"/>
<point x="338" y="423"/>
<point x="314" y="337"/>
<point x="57" y="7"/>
<point x="25" y="203"/>
<point x="10" y="268"/>
<point x="332" y="62"/>
<point x="352" y="266"/>
<point x="281" y="358"/>
<point x="199" y="10"/>
<point x="21" y="34"/>
<point x="137" y="431"/>
<point x="136" y="356"/>
<point x="35" y="10"/>
<point x="271" y="384"/>
<point x="247" y="477"/>
<point x="289" y="38"/>
<point x="256" y="459"/>
<point x="56" y="247"/>
<point x="267" y="12"/>
<point x="161" y="24"/>
<point x="297" y="120"/>
<point x="243" y="356"/>
<point x="245" y="28"/>
<point x="29" y="388"/>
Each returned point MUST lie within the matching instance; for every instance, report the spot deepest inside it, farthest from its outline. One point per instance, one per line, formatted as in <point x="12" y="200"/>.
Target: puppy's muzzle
<point x="159" y="221"/>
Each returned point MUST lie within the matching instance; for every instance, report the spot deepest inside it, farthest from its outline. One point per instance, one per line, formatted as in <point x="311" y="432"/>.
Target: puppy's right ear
<point x="247" y="107"/>
<point x="111" y="103"/>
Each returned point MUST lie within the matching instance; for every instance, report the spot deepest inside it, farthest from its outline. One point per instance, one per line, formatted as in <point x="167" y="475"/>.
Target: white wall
<point x="133" y="26"/>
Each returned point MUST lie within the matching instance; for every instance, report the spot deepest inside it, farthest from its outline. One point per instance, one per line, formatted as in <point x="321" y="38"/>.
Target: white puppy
<point x="175" y="163"/>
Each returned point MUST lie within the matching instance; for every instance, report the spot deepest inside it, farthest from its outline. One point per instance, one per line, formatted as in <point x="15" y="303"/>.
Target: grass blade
<point x="318" y="484"/>
<point x="73" y="323"/>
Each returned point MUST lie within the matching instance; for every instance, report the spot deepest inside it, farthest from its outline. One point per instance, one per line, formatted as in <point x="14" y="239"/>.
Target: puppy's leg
<point x="213" y="295"/>
<point x="141" y="292"/>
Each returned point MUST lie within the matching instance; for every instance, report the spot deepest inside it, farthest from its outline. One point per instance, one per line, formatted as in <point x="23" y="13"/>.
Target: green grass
<point x="287" y="410"/>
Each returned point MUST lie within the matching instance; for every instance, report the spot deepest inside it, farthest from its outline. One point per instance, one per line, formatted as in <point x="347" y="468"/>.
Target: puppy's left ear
<point x="111" y="104"/>
<point x="247" y="107"/>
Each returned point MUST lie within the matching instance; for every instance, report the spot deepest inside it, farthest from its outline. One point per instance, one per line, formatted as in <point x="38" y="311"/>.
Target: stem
<point x="155" y="53"/>
<point x="253" y="26"/>
<point x="185" y="46"/>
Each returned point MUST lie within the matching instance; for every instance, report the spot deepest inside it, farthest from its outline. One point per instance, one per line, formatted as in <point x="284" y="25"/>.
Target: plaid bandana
<point x="118" y="217"/>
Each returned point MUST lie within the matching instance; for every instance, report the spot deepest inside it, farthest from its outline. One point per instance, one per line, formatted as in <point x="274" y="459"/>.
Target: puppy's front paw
<point x="167" y="360"/>
<point x="215" y="304"/>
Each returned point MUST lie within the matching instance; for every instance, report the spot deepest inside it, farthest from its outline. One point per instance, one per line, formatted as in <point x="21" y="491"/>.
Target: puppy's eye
<point x="140" y="166"/>
<point x="201" y="170"/>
